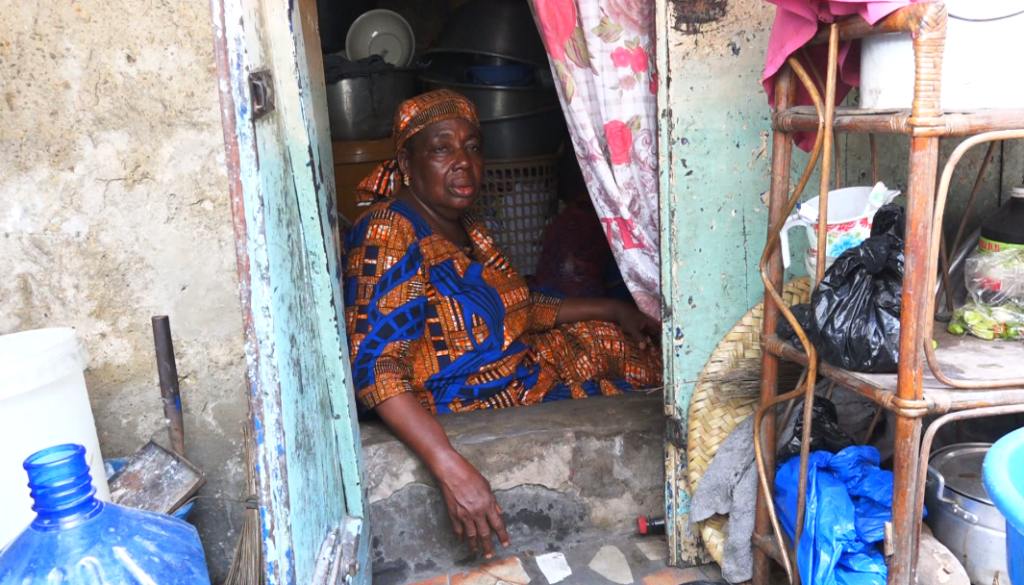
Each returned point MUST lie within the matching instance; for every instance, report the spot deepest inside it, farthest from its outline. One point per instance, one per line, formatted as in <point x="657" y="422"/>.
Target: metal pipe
<point x="169" y="391"/>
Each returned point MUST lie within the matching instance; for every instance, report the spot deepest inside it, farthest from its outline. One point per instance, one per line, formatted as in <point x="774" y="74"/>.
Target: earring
<point x="405" y="181"/>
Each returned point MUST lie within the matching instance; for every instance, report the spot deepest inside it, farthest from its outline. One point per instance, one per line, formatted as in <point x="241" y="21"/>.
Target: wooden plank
<point x="156" y="480"/>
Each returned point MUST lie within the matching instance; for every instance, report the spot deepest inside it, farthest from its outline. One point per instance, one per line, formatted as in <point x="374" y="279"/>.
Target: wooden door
<point x="714" y="126"/>
<point x="278" y="153"/>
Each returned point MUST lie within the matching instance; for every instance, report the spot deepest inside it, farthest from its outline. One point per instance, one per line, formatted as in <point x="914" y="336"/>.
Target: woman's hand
<point x="474" y="511"/>
<point x="472" y="508"/>
<point x="635" y="323"/>
<point x="632" y="320"/>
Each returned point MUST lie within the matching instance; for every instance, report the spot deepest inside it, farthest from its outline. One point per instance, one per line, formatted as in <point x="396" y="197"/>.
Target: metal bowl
<point x="451" y="63"/>
<point x="523" y="135"/>
<point x="495" y="101"/>
<point x="501" y="28"/>
<point x="363" y="108"/>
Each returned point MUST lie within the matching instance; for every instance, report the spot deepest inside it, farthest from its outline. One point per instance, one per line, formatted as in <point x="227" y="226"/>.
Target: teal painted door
<point x="278" y="153"/>
<point x="714" y="154"/>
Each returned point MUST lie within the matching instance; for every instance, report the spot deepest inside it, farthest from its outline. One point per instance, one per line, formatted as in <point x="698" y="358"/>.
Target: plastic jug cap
<point x="1018" y="192"/>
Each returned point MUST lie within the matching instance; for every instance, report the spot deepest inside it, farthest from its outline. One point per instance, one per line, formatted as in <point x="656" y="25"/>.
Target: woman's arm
<point x="473" y="510"/>
<point x="381" y="262"/>
<point x="634" y="322"/>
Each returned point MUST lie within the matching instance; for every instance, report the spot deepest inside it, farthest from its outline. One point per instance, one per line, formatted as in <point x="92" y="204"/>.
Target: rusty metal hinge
<point x="261" y="90"/>
<point x="674" y="433"/>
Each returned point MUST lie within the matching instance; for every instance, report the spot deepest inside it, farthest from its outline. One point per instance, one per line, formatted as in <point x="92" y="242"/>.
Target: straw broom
<point x="247" y="566"/>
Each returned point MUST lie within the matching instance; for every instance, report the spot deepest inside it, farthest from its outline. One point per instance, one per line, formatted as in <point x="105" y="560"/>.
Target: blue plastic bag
<point x="849" y="500"/>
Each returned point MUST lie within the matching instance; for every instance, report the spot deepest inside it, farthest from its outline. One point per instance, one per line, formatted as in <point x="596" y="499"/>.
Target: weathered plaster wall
<point x="114" y="208"/>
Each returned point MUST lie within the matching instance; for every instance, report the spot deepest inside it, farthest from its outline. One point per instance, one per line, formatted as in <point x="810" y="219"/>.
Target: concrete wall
<point x="114" y="208"/>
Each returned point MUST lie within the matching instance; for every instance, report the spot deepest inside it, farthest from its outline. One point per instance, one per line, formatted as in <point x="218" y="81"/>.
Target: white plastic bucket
<point x="43" y="402"/>
<point x="977" y="70"/>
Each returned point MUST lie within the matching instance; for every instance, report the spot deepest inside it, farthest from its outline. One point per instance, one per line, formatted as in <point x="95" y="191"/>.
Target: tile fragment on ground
<point x="654" y="550"/>
<point x="504" y="572"/>
<point x="674" y="576"/>
<point x="610" y="563"/>
<point x="554" y="567"/>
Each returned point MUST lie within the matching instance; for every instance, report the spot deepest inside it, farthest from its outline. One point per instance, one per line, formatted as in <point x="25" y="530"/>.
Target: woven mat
<point x="726" y="393"/>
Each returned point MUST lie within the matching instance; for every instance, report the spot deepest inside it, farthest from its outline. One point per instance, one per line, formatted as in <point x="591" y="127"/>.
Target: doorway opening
<point x="567" y="472"/>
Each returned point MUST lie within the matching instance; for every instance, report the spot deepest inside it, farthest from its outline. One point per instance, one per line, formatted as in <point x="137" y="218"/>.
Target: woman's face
<point x="444" y="163"/>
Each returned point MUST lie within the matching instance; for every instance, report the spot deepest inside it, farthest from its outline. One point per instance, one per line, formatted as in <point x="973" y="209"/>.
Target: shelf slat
<point x="855" y="120"/>
<point x="961" y="357"/>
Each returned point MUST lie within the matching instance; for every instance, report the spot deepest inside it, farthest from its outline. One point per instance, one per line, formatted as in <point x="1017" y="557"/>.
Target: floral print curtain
<point x="602" y="56"/>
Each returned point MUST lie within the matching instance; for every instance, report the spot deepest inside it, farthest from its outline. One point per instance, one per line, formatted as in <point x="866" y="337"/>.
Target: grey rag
<point x="730" y="487"/>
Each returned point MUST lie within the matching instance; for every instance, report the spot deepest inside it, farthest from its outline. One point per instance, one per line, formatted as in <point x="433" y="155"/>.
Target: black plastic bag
<point x="803" y="316"/>
<point x="826" y="434"/>
<point x="854" y="314"/>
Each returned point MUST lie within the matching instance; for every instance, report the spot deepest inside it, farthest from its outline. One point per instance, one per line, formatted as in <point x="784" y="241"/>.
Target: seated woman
<point x="439" y="321"/>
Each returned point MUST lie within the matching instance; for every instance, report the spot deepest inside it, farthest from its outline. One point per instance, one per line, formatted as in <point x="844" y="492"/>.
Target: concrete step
<point x="564" y="473"/>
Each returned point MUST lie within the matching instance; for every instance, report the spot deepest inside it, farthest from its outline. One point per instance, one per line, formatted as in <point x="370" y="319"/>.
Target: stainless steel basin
<point x="501" y="28"/>
<point x="495" y="101"/>
<point x="363" y="108"/>
<point x="523" y="135"/>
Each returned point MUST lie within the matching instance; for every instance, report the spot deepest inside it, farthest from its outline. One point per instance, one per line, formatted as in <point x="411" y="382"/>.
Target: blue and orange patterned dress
<point x="463" y="331"/>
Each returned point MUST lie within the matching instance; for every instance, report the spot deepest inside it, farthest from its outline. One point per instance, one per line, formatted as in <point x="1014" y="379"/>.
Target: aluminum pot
<point x="363" y="108"/>
<point x="495" y="101"/>
<point x="523" y="135"/>
<point x="501" y="28"/>
<point x="962" y="516"/>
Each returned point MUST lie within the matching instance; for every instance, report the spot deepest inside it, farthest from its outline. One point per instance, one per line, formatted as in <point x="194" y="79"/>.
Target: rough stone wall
<point x="114" y="208"/>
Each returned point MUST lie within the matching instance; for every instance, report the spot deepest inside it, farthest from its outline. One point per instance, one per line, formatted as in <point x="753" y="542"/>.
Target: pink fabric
<point x="602" y="56"/>
<point x="796" y="22"/>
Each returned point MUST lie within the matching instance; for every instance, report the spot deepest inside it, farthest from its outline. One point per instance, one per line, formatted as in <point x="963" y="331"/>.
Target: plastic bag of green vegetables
<point x="1004" y="321"/>
<point x="995" y="278"/>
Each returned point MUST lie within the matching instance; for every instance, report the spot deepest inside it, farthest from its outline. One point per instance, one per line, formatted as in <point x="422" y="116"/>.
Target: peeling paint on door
<point x="309" y="464"/>
<point x="692" y="16"/>
<point x="714" y="168"/>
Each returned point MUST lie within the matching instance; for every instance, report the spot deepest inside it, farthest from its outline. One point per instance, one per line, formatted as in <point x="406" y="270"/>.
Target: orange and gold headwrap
<point x="413" y="115"/>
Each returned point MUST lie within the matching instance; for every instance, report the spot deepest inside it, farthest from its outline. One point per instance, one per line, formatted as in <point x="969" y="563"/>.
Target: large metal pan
<point x="495" y="101"/>
<point x="363" y="108"/>
<point x="523" y="135"/>
<point x="501" y="28"/>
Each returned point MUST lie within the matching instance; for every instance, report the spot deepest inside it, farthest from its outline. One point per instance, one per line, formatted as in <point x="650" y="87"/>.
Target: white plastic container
<point x="43" y="402"/>
<point x="979" y="62"/>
